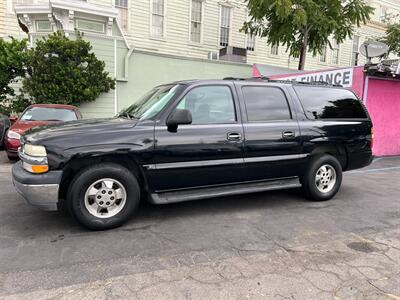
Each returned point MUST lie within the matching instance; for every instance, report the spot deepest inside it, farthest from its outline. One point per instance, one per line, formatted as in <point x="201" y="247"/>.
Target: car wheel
<point x="12" y="158"/>
<point x="323" y="178"/>
<point x="103" y="196"/>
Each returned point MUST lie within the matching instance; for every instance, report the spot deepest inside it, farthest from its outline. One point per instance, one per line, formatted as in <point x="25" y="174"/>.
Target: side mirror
<point x="179" y="117"/>
<point x="13" y="119"/>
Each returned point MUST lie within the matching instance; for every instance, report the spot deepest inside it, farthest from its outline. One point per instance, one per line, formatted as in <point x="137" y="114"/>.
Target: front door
<point x="272" y="135"/>
<point x="207" y="152"/>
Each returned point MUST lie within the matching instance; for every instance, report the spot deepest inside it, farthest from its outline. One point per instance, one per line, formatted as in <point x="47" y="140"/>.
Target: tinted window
<point x="210" y="105"/>
<point x="48" y="114"/>
<point x="330" y="103"/>
<point x="265" y="104"/>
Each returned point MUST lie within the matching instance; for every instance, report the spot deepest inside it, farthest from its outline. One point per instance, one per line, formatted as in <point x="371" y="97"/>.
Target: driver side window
<point x="210" y="105"/>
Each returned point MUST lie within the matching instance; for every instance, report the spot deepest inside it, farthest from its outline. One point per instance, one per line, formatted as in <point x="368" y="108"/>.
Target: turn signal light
<point x="35" y="168"/>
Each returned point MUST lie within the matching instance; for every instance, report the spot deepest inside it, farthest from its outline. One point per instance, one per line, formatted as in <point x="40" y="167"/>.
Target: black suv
<point x="196" y="139"/>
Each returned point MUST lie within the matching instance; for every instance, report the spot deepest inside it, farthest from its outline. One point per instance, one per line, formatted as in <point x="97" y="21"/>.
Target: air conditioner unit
<point x="213" y="55"/>
<point x="234" y="54"/>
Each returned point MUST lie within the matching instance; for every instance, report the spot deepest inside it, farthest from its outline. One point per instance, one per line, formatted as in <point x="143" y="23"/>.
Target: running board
<point x="224" y="190"/>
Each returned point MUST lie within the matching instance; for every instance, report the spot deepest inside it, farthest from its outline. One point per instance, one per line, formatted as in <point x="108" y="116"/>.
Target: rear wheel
<point x="323" y="178"/>
<point x="103" y="196"/>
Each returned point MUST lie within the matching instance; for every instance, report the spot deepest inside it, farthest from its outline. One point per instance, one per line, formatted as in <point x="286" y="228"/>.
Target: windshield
<point x="48" y="114"/>
<point x="151" y="103"/>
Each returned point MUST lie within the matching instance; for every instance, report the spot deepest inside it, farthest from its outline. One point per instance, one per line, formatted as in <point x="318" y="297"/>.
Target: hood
<point x="22" y="126"/>
<point x="79" y="133"/>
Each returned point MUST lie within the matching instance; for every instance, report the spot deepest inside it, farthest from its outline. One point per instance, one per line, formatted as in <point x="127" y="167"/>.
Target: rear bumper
<point x="359" y="160"/>
<point x="12" y="154"/>
<point x="12" y="145"/>
<point x="40" y="190"/>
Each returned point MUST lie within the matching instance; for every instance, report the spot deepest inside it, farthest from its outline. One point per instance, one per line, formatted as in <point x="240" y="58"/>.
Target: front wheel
<point x="103" y="196"/>
<point x="323" y="178"/>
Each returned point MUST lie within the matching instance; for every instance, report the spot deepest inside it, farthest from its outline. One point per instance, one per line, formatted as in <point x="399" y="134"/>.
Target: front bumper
<point x="40" y="190"/>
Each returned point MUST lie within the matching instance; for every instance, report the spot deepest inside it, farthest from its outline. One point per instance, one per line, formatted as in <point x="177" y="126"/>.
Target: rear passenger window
<point x="265" y="103"/>
<point x="329" y="103"/>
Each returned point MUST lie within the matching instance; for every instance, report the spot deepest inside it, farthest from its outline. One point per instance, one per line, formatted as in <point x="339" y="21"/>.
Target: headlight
<point x="35" y="150"/>
<point x="34" y="158"/>
<point x="13" y="135"/>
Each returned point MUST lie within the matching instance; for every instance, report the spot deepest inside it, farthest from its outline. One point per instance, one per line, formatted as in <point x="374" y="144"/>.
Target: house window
<point x="196" y="20"/>
<point x="225" y="19"/>
<point x="43" y="26"/>
<point x="250" y="38"/>
<point x="354" y="55"/>
<point x="384" y="14"/>
<point x="335" y="53"/>
<point x="122" y="7"/>
<point x="10" y="4"/>
<point x="121" y="3"/>
<point x="250" y="41"/>
<point x="157" y="18"/>
<point x="322" y="56"/>
<point x="274" y="50"/>
<point x="89" y="25"/>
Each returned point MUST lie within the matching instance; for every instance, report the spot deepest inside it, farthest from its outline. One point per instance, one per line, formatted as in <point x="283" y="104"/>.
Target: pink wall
<point x="358" y="81"/>
<point x="383" y="104"/>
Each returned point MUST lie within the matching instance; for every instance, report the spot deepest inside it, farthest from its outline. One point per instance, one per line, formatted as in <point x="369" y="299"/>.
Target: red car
<point x="37" y="115"/>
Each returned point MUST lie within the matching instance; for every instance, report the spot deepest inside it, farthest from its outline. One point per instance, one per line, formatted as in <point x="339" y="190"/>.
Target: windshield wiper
<point x="125" y="114"/>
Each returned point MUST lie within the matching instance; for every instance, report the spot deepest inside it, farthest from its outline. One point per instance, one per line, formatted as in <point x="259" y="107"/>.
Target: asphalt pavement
<point x="271" y="245"/>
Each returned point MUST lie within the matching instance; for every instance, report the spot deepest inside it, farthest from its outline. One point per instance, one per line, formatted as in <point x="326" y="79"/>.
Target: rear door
<point x="272" y="146"/>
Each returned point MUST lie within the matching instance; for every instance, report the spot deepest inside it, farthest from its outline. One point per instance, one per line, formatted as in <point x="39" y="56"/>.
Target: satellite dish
<point x="373" y="49"/>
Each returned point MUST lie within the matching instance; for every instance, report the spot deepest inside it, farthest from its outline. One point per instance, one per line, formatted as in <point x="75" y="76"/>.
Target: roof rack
<point x="321" y="83"/>
<point x="243" y="79"/>
<point x="235" y="78"/>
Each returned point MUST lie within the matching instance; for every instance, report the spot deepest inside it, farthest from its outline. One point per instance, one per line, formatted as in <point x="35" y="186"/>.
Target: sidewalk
<point x="352" y="267"/>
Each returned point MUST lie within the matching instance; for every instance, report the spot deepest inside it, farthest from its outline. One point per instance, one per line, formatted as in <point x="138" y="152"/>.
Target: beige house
<point x="200" y="28"/>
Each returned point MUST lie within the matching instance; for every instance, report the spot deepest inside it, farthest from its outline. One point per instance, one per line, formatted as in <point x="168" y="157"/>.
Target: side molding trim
<point x="218" y="162"/>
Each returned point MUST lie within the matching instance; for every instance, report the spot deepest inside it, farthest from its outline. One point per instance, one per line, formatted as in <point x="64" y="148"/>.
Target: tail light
<point x="372" y="137"/>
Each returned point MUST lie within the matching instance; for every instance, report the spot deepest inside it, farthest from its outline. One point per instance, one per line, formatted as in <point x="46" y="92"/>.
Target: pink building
<point x="381" y="95"/>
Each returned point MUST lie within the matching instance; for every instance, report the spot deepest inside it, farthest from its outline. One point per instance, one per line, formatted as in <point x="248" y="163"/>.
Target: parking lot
<point x="263" y="246"/>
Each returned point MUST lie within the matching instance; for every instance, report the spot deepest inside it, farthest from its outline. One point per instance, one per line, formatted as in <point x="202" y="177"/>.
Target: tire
<point x="12" y="158"/>
<point x="324" y="187"/>
<point x="103" y="196"/>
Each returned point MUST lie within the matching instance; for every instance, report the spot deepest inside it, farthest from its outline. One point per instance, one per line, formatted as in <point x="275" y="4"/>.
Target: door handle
<point x="288" y="134"/>
<point x="234" y="136"/>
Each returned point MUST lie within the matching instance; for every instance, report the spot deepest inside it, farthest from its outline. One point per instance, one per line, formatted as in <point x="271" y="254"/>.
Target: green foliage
<point x="65" y="71"/>
<point x="303" y="25"/>
<point x="12" y="61"/>
<point x="392" y="38"/>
